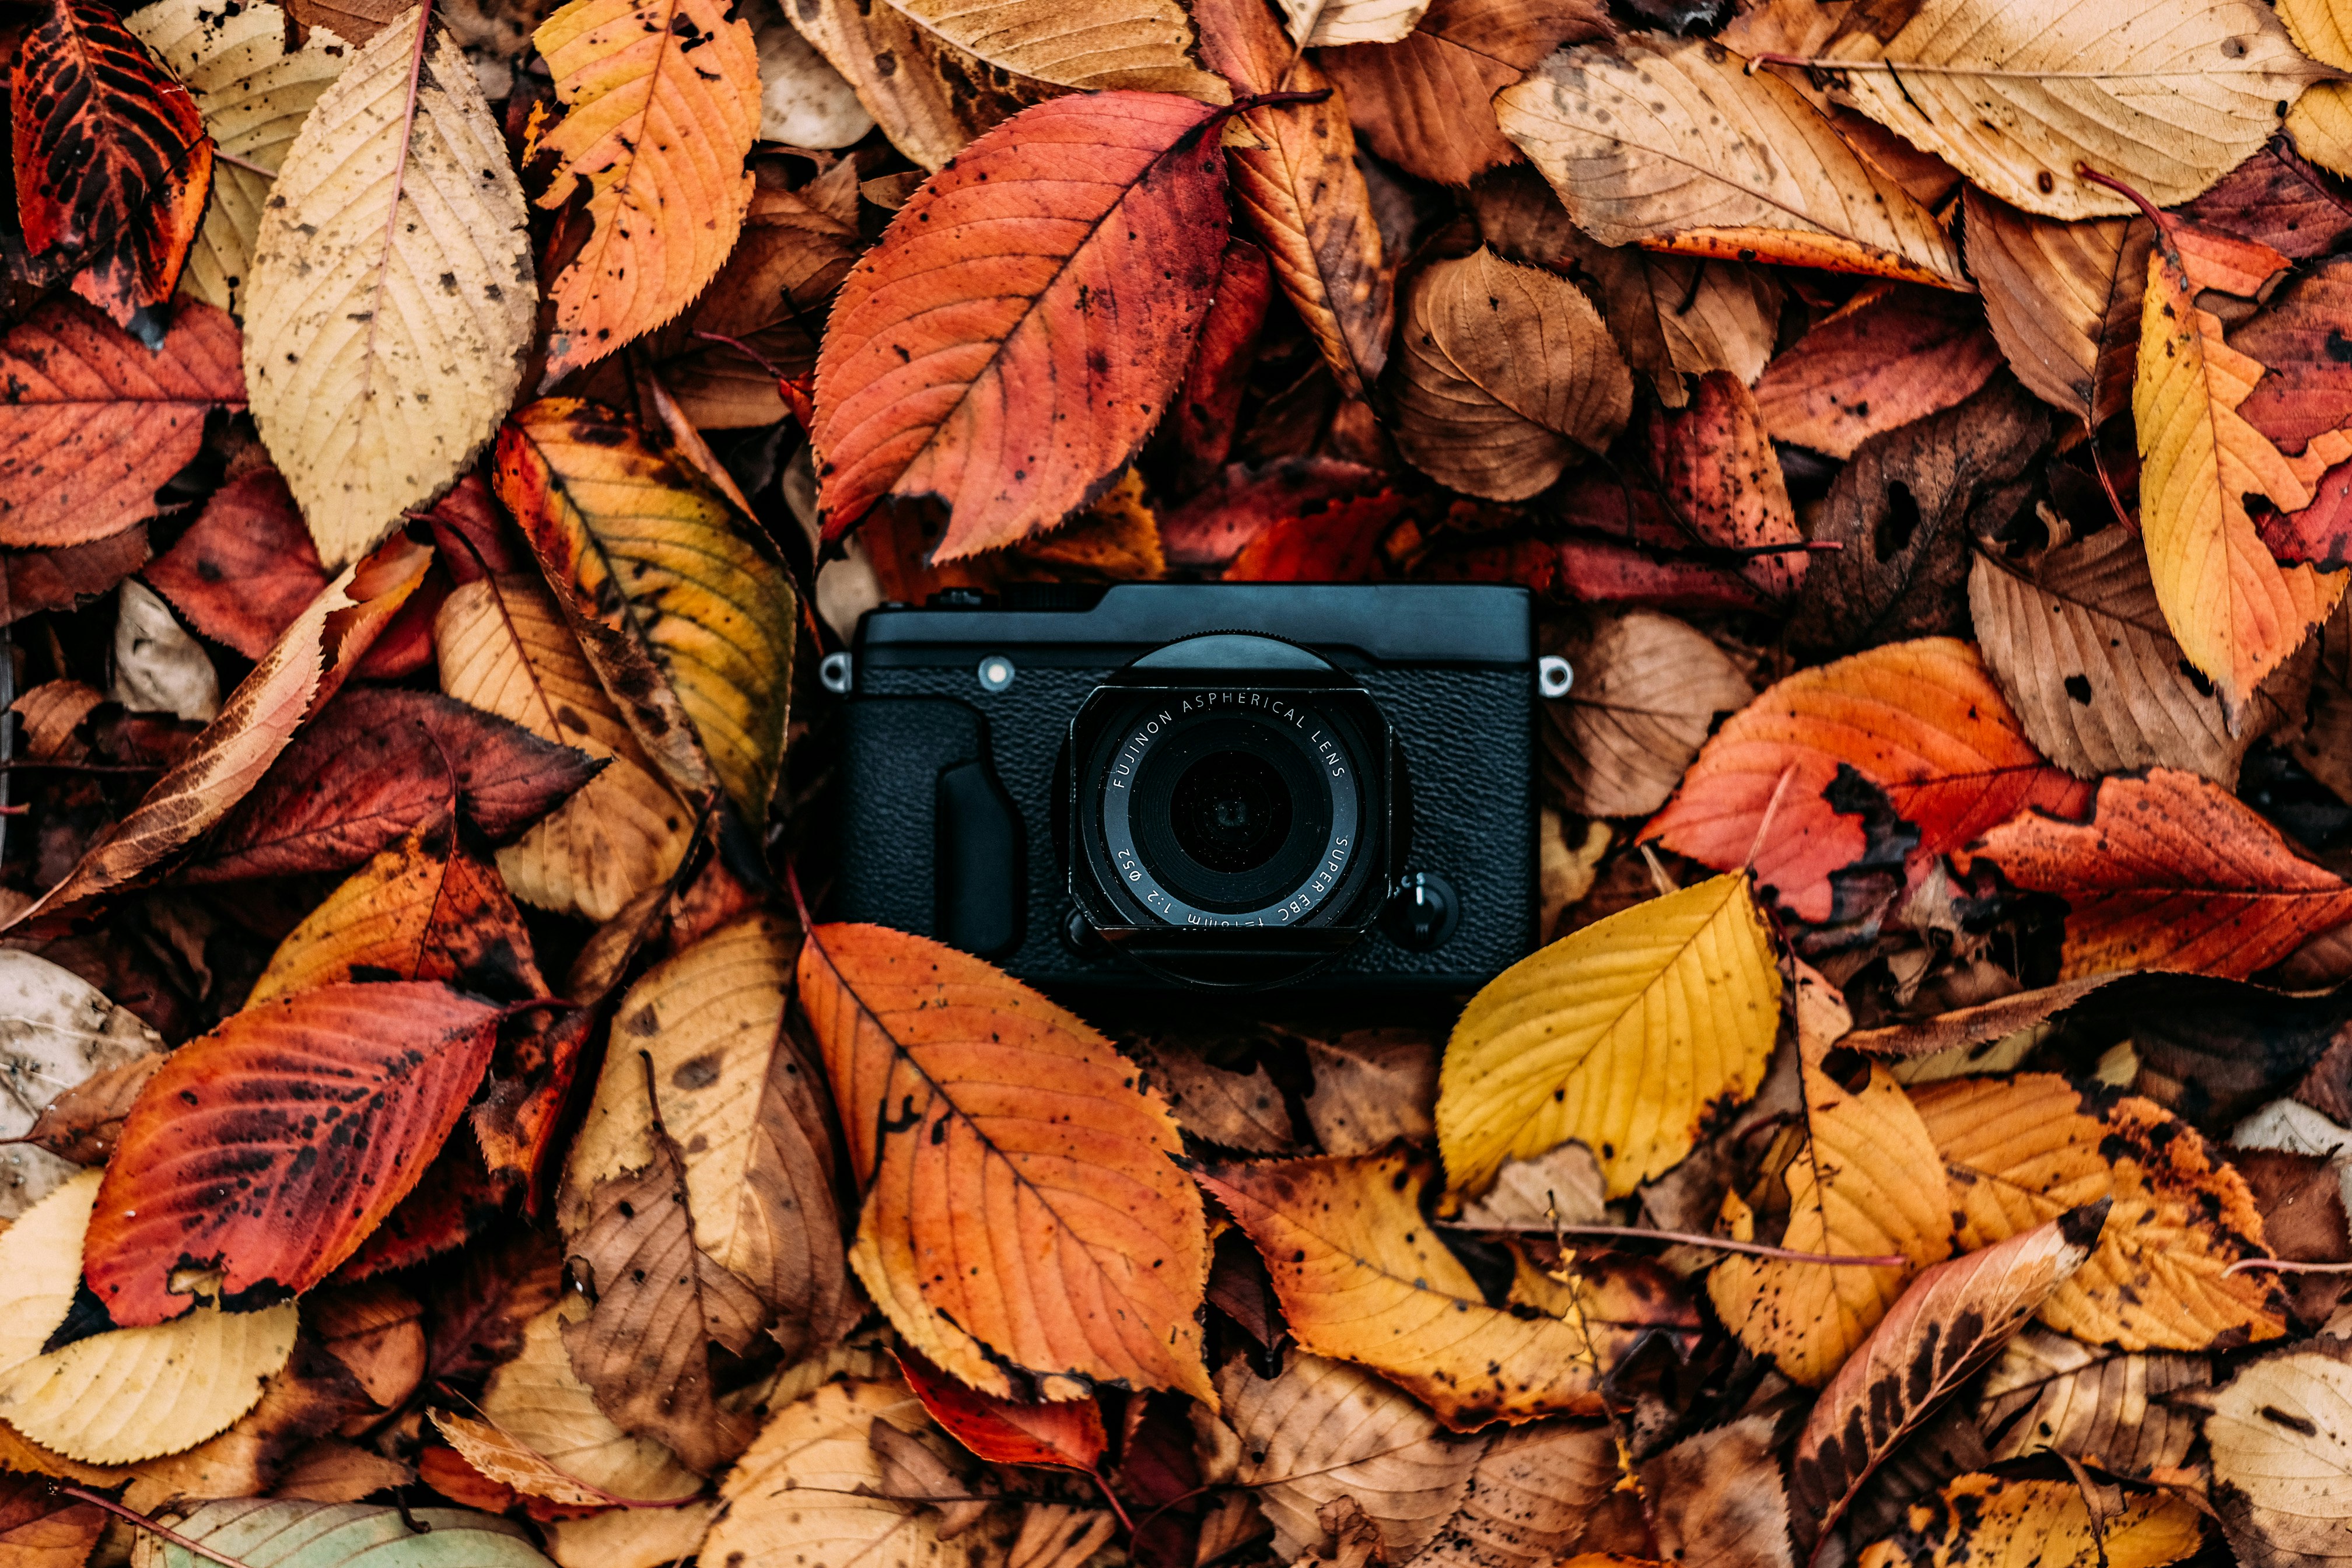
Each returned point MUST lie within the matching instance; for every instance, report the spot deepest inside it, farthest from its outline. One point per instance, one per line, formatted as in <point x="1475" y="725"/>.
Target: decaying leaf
<point x="537" y="1400"/>
<point x="1996" y="1523"/>
<point x="811" y="1485"/>
<point x="2278" y="1433"/>
<point x="1718" y="470"/>
<point x="1648" y="689"/>
<point x="1370" y="1087"/>
<point x="56" y="1032"/>
<point x="2107" y="1408"/>
<point x="1722" y="1502"/>
<point x="1884" y="359"/>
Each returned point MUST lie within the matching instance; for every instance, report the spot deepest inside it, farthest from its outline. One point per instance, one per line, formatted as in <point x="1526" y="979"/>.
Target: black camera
<point x="1199" y="784"/>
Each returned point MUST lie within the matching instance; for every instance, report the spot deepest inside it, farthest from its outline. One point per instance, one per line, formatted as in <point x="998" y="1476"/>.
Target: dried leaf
<point x="538" y="1401"/>
<point x="1531" y="1496"/>
<point x="264" y="1533"/>
<point x="803" y="101"/>
<point x="810" y="1486"/>
<point x="1997" y="1523"/>
<point x="1005" y="1432"/>
<point x="1889" y="359"/>
<point x="1720" y="1498"/>
<point x="1719" y="473"/>
<point x="2107" y="1408"/>
<point x="1648" y="689"/>
<point x="2281" y="1470"/>
<point x="1372" y="1087"/>
<point x="57" y="1031"/>
<point x="930" y="97"/>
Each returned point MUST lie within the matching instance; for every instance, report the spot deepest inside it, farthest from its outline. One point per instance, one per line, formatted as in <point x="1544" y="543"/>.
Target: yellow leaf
<point x="538" y="1401"/>
<point x="687" y="626"/>
<point x="1627" y="1036"/>
<point x="661" y="109"/>
<point x="130" y="1394"/>
<point x="1671" y="144"/>
<point x="2321" y="121"/>
<point x="392" y="299"/>
<point x="2164" y="95"/>
<point x="253" y="93"/>
<point x="1991" y="1522"/>
<point x="1866" y="1181"/>
<point x="2236" y="613"/>
<point x="1362" y="1278"/>
<point x="2023" y="1150"/>
<point x="806" y="1489"/>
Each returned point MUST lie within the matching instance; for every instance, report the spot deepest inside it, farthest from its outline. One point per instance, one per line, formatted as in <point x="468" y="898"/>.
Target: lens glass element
<point x="1230" y="811"/>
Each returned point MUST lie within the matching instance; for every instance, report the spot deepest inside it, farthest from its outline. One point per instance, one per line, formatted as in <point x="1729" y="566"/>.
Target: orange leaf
<point x="1920" y="723"/>
<point x="1885" y="361"/>
<point x="1720" y="469"/>
<point x="111" y="158"/>
<point x="1002" y="1431"/>
<point x="91" y="424"/>
<point x="662" y="106"/>
<point x="271" y="1147"/>
<point x="1029" y="314"/>
<point x="1021" y="1192"/>
<point x="2173" y="871"/>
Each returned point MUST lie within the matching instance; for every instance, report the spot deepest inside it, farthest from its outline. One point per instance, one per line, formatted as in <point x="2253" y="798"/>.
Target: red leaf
<point x="91" y="423"/>
<point x="39" y="1529"/>
<point x="112" y="159"/>
<point x="1003" y="1431"/>
<point x="2276" y="199"/>
<point x="1900" y="356"/>
<point x="1341" y="544"/>
<point x="1025" y="319"/>
<point x="245" y="567"/>
<point x="472" y="535"/>
<point x="377" y="762"/>
<point x="1221" y="364"/>
<point x="1718" y="467"/>
<point x="1920" y="723"/>
<point x="272" y="1146"/>
<point x="2300" y="336"/>
<point x="453" y="1202"/>
<point x="32" y="581"/>
<point x="1213" y="527"/>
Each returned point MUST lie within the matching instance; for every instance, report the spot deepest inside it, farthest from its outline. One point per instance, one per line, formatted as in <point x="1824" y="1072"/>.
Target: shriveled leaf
<point x="1507" y="377"/>
<point x="2171" y="871"/>
<point x="1952" y="1319"/>
<point x="373" y="381"/>
<point x="1408" y="96"/>
<point x="2107" y="1408"/>
<point x="932" y="378"/>
<point x="1564" y="1185"/>
<point x="253" y="93"/>
<point x="1885" y="361"/>
<point x="1862" y="1184"/>
<point x="112" y="161"/>
<point x="944" y="1068"/>
<point x="809" y="1487"/>
<point x="131" y="1395"/>
<point x="538" y="1401"/>
<point x="1996" y="1522"/>
<point x="733" y="1090"/>
<point x="1362" y="1278"/>
<point x="510" y="1463"/>
<point x="2163" y="98"/>
<point x="2236" y="613"/>
<point x="2281" y="1438"/>
<point x="1575" y="1042"/>
<point x="158" y="667"/>
<point x="929" y="97"/>
<point x="1321" y="1430"/>
<point x="91" y="423"/>
<point x="322" y="1110"/>
<point x="1006" y="1432"/>
<point x="56" y="1032"/>
<point x="379" y="763"/>
<point x="1296" y="181"/>
<point x="1920" y="723"/>
<point x="1670" y="143"/>
<point x="426" y="907"/>
<point x="310" y="660"/>
<point x="2022" y="1151"/>
<point x="1648" y="689"/>
<point x="686" y="624"/>
<point x="661" y="106"/>
<point x="2075" y="639"/>
<point x="263" y="1533"/>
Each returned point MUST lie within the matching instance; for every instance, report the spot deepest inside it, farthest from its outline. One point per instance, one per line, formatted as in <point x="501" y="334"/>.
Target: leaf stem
<point x="1102" y="1485"/>
<point x="1692" y="1239"/>
<point x="2285" y="1265"/>
<point x="133" y="1516"/>
<point x="234" y="162"/>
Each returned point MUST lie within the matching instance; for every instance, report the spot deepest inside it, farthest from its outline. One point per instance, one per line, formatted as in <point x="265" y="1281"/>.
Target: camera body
<point x="1200" y="785"/>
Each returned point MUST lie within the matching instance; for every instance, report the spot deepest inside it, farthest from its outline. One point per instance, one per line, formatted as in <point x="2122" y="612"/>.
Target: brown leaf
<point x="1373" y="1086"/>
<point x="1647" y="690"/>
<point x="1719" y="471"/>
<point x="1894" y="356"/>
<point x="39" y="1529"/>
<point x="1952" y="1319"/>
<point x="930" y="98"/>
<point x="1532" y="1496"/>
<point x="1720" y="1498"/>
<point x="67" y="577"/>
<point x="84" y="1123"/>
<point x="2062" y="300"/>
<point x="2107" y="1408"/>
<point x="1220" y="1103"/>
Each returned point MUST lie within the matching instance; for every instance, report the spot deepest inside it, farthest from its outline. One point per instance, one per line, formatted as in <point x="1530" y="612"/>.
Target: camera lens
<point x="1230" y="811"/>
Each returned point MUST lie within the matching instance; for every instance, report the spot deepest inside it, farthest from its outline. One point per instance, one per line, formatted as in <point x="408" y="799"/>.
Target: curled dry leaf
<point x="2281" y="1438"/>
<point x="537" y="1400"/>
<point x="1648" y="689"/>
<point x="1361" y="1277"/>
<point x="1952" y="1319"/>
<point x="1507" y="377"/>
<point x="930" y="98"/>
<point x="2078" y="645"/>
<point x="2107" y="1408"/>
<point x="708" y="1026"/>
<point x="811" y="1487"/>
<point x="1885" y="359"/>
<point x="661" y="106"/>
<point x="2022" y="1151"/>
<point x="1919" y="723"/>
<point x="253" y="93"/>
<point x="686" y="624"/>
<point x="943" y="1068"/>
<point x="1293" y="168"/>
<point x="1863" y="1183"/>
<point x="1575" y="1042"/>
<point x="2165" y="97"/>
<point x="1322" y="1430"/>
<point x="158" y="667"/>
<point x="277" y="1532"/>
<point x="1672" y="143"/>
<point x="1995" y="1523"/>
<point x="57" y="1031"/>
<point x="512" y="1464"/>
<point x="115" y="1398"/>
<point x="1564" y="1185"/>
<point x="929" y="383"/>
<point x="2171" y="871"/>
<point x="91" y="423"/>
<point x="503" y="647"/>
<point x="372" y="382"/>
<point x="322" y="1109"/>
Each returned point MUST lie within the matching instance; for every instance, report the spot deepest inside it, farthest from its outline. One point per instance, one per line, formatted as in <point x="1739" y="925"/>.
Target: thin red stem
<point x="1692" y="1239"/>
<point x="133" y="1516"/>
<point x="1094" y="1473"/>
